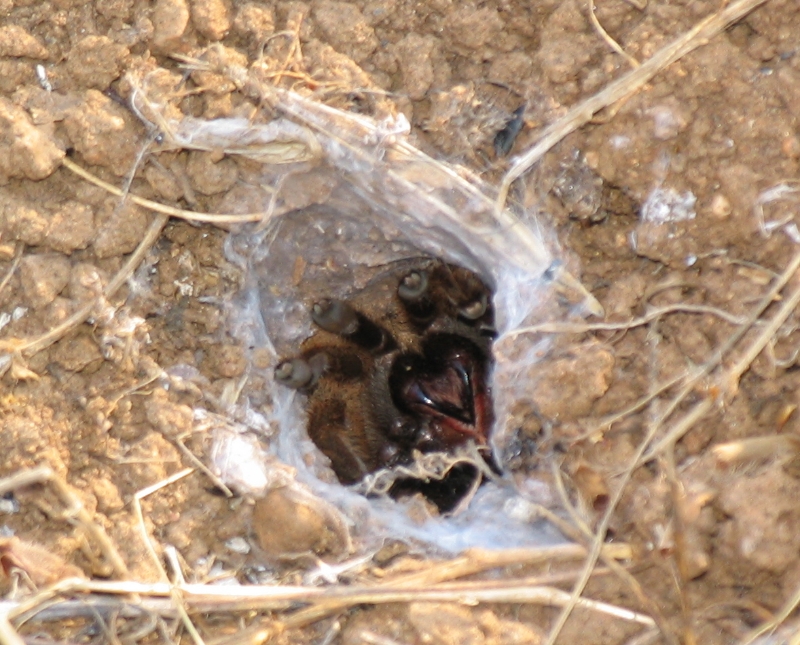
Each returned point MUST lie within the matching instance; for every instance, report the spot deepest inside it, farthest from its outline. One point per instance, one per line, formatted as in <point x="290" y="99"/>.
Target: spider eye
<point x="475" y="309"/>
<point x="413" y="286"/>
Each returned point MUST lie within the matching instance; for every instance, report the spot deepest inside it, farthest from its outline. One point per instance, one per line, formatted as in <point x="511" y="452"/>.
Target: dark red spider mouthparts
<point x="447" y="385"/>
<point x="446" y="394"/>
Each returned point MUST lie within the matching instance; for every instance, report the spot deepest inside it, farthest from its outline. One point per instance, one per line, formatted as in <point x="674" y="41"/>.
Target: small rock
<point x="16" y="42"/>
<point x="171" y="419"/>
<point x="43" y="277"/>
<point x="108" y="496"/>
<point x="170" y="19"/>
<point x="289" y="521"/>
<point x="86" y="282"/>
<point x="720" y="206"/>
<point x="790" y="146"/>
<point x="122" y="230"/>
<point x="255" y="21"/>
<point x="210" y="175"/>
<point x="565" y="387"/>
<point x="74" y="354"/>
<point x="96" y="61"/>
<point x="414" y="58"/>
<point x="21" y="221"/>
<point x="103" y="132"/>
<point x="230" y="361"/>
<point x="26" y="150"/>
<point x="211" y="18"/>
<point x="473" y="28"/>
<point x="57" y="311"/>
<point x="71" y="228"/>
<point x="345" y="27"/>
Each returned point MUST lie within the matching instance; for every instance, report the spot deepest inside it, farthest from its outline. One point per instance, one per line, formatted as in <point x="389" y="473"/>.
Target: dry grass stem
<point x="137" y="508"/>
<point x="470" y="563"/>
<point x="609" y="40"/>
<point x="584" y="535"/>
<point x="681" y="555"/>
<point x="729" y="379"/>
<point x="771" y="625"/>
<point x="75" y="510"/>
<point x="210" y="218"/>
<point x="691" y="378"/>
<point x="756" y="449"/>
<point x="678" y="429"/>
<point x="8" y="635"/>
<point x="210" y="598"/>
<point x="582" y="113"/>
<point x="171" y="556"/>
<point x="14" y="264"/>
<point x="650" y="316"/>
<point x="765" y="335"/>
<point x="28" y="347"/>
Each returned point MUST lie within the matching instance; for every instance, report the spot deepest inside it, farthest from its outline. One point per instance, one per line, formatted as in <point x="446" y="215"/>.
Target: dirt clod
<point x="43" y="277"/>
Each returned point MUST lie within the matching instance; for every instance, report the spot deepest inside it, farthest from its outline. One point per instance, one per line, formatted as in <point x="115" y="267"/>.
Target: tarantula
<point x="402" y="366"/>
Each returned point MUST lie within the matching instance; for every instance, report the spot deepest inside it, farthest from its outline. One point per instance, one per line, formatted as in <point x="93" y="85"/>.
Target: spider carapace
<point x="401" y="366"/>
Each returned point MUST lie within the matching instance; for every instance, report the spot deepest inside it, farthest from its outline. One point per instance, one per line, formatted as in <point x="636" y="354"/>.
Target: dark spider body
<point x="401" y="366"/>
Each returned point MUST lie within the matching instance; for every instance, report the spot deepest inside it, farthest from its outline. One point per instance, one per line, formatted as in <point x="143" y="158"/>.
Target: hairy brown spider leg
<point x="347" y="452"/>
<point x="338" y="317"/>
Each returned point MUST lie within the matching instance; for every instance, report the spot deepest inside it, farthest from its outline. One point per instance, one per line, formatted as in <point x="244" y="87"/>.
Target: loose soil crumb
<point x="682" y="195"/>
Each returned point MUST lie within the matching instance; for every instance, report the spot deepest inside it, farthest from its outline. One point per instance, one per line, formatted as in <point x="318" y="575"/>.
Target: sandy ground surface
<point x="681" y="199"/>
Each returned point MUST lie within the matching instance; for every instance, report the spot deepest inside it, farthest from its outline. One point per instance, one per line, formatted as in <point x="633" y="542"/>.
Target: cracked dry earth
<point x="682" y="197"/>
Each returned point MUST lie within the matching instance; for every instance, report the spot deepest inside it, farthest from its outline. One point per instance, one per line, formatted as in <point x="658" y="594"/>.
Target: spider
<point x="400" y="367"/>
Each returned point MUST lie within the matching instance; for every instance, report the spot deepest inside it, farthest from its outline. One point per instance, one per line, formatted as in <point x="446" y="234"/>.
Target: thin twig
<point x="212" y="598"/>
<point x="585" y="536"/>
<point x="14" y="265"/>
<point x="650" y="316"/>
<point x="681" y="550"/>
<point x="609" y="40"/>
<point x="75" y="509"/>
<point x="470" y="563"/>
<point x="137" y="508"/>
<point x="28" y="347"/>
<point x="157" y="207"/>
<point x="8" y="635"/>
<point x="770" y="625"/>
<point x="734" y="373"/>
<point x="691" y="377"/>
<point x="679" y="429"/>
